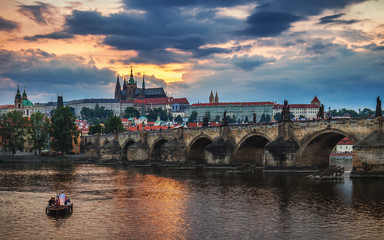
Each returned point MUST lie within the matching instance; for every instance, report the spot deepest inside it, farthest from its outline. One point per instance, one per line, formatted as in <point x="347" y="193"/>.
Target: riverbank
<point x="78" y="158"/>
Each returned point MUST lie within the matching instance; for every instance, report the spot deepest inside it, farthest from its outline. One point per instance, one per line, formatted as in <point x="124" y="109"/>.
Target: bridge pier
<point x="280" y="154"/>
<point x="174" y="151"/>
<point x="219" y="152"/>
<point x="368" y="158"/>
<point x="138" y="151"/>
<point x="92" y="148"/>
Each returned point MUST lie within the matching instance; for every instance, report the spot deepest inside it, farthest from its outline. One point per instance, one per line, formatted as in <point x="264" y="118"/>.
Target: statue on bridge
<point x="205" y="121"/>
<point x="225" y="120"/>
<point x="320" y="114"/>
<point x="378" y="107"/>
<point x="254" y="117"/>
<point x="285" y="113"/>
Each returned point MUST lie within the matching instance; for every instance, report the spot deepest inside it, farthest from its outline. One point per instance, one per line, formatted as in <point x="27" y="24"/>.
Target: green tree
<point x="291" y="116"/>
<point x="97" y="115"/>
<point x="262" y="119"/>
<point x="87" y="113"/>
<point x="114" y="125"/>
<point x="154" y="113"/>
<point x="217" y="118"/>
<point x="170" y="117"/>
<point x="246" y="119"/>
<point x="267" y="118"/>
<point x="278" y="117"/>
<point x="231" y="119"/>
<point x="366" y="112"/>
<point x="192" y="117"/>
<point x="131" y="112"/>
<point x="12" y="131"/>
<point x="301" y="117"/>
<point x="63" y="130"/>
<point x="179" y="119"/>
<point x="94" y="129"/>
<point x="38" y="131"/>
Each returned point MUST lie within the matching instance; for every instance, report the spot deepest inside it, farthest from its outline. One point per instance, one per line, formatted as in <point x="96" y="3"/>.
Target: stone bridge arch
<point x="110" y="149"/>
<point x="196" y="149"/>
<point x="155" y="151"/>
<point x="124" y="149"/>
<point x="316" y="148"/>
<point x="250" y="149"/>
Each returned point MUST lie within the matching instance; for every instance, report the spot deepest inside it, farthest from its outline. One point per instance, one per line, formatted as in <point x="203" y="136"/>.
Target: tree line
<point x="39" y="131"/>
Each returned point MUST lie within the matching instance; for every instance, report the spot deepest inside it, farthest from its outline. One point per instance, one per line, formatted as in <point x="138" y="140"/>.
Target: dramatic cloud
<point x="374" y="47"/>
<point x="55" y="35"/>
<point x="44" y="72"/>
<point x="39" y="13"/>
<point x="266" y="24"/>
<point x="247" y="50"/>
<point x="334" y="19"/>
<point x="247" y="63"/>
<point x="306" y="8"/>
<point x="7" y="25"/>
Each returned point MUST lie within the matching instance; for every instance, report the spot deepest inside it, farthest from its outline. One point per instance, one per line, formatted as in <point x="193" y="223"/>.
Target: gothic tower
<point x="18" y="100"/>
<point x="211" y="98"/>
<point x="118" y="89"/>
<point x="131" y="87"/>
<point x="24" y="97"/>
<point x="216" y="98"/>
<point x="125" y="85"/>
<point x="142" y="94"/>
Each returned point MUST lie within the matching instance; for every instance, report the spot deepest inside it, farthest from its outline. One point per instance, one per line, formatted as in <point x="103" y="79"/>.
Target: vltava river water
<point x="114" y="202"/>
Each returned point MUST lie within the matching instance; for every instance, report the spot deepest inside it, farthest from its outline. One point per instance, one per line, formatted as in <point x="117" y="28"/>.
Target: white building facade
<point x="308" y="111"/>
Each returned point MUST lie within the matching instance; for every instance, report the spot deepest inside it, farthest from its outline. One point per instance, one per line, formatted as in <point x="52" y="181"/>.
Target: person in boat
<point x="52" y="201"/>
<point x="62" y="198"/>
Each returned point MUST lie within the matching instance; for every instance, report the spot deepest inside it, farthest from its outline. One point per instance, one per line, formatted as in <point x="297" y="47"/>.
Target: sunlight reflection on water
<point x="149" y="203"/>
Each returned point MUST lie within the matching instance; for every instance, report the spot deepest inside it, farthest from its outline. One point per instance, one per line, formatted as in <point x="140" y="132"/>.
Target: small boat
<point x="59" y="209"/>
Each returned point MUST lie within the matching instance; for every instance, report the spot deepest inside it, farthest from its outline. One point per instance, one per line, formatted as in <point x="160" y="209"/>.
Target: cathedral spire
<point x="24" y="95"/>
<point x="18" y="95"/>
<point x="118" y="80"/>
<point x="131" y="80"/>
<point x="143" y="83"/>
<point x="118" y="89"/>
<point x="131" y="72"/>
<point x="211" y="99"/>
<point x="216" y="98"/>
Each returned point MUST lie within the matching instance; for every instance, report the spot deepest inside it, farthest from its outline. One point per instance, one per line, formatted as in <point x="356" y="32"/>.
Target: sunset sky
<point x="262" y="50"/>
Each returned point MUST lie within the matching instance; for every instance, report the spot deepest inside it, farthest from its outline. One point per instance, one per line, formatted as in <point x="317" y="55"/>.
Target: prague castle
<point x="130" y="91"/>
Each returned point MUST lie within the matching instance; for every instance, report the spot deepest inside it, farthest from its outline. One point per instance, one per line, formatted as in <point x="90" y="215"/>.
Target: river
<point x="117" y="202"/>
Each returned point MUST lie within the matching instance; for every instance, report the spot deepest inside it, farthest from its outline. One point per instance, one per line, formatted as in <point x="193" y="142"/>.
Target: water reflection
<point x="157" y="203"/>
<point x="126" y="203"/>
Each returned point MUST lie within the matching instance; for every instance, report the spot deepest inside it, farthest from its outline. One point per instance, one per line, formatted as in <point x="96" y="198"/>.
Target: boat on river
<point x="59" y="209"/>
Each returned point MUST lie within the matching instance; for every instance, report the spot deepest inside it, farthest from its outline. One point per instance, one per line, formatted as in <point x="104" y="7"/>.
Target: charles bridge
<point x="274" y="146"/>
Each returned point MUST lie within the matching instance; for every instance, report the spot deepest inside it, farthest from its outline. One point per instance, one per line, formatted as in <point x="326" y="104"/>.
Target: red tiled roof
<point x="128" y="101"/>
<point x="345" y="141"/>
<point x="7" y="106"/>
<point x="180" y="100"/>
<point x="155" y="101"/>
<point x="231" y="103"/>
<point x="279" y="106"/>
<point x="315" y="99"/>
